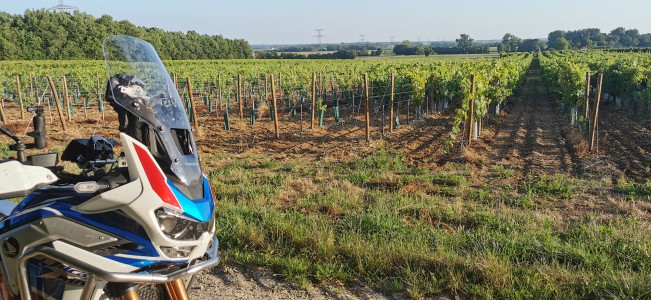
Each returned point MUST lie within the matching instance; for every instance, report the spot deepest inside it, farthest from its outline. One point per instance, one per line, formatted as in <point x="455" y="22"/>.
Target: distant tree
<point x="631" y="38"/>
<point x="556" y="34"/>
<point x="616" y="36"/>
<point x="601" y="40"/>
<point x="465" y="42"/>
<point x="560" y="44"/>
<point x="645" y="40"/>
<point x="400" y="49"/>
<point x="405" y="48"/>
<point x="618" y="32"/>
<point x="428" y="51"/>
<point x="530" y="45"/>
<point x="509" y="43"/>
<point x="612" y="40"/>
<point x="345" y="54"/>
<point x="556" y="40"/>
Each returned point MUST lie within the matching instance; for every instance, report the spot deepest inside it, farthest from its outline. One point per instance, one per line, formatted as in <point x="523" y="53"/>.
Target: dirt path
<point x="228" y="282"/>
<point x="531" y="135"/>
<point x="625" y="143"/>
<point x="423" y="141"/>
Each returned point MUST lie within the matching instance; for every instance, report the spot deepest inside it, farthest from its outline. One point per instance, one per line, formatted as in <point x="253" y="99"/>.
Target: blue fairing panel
<point x="6" y="207"/>
<point x="200" y="209"/>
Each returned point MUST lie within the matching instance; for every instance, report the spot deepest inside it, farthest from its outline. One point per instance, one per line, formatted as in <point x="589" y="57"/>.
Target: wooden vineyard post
<point x="319" y="86"/>
<point x="56" y="102"/>
<point x="587" y="95"/>
<point x="368" y="116"/>
<point x="192" y="105"/>
<point x="85" y="106"/>
<point x="2" y="112"/>
<point x="280" y="86"/>
<point x="3" y="116"/>
<point x="41" y="99"/>
<point x="239" y="95"/>
<point x="471" y="109"/>
<point x="252" y="107"/>
<point x="586" y="114"/>
<point x="391" y="100"/>
<point x="20" y="98"/>
<point x="313" y="99"/>
<point x="66" y="100"/>
<point x="275" y="107"/>
<point x="266" y="88"/>
<point x="47" y="102"/>
<point x="227" y="125"/>
<point x="219" y="92"/>
<point x="593" y="135"/>
<point x="176" y="82"/>
<point x="31" y="89"/>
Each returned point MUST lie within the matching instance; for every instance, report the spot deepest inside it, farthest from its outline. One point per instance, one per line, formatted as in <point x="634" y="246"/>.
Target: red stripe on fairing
<point x="156" y="178"/>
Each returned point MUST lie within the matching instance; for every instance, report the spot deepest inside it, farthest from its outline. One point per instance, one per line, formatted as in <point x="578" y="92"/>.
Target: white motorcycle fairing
<point x="59" y="237"/>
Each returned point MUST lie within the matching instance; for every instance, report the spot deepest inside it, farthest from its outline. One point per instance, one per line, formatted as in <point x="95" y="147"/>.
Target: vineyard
<point x="617" y="82"/>
<point x="524" y="176"/>
<point x="335" y="92"/>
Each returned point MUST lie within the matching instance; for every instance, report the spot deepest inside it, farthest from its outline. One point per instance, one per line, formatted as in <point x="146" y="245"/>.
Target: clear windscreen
<point x="140" y="85"/>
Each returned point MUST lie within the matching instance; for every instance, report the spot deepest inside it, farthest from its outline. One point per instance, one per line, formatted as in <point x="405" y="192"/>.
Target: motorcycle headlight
<point x="177" y="252"/>
<point x="176" y="226"/>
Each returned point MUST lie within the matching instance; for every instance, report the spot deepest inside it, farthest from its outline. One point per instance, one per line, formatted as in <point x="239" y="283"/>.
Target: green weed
<point x="449" y="180"/>
<point x="635" y="191"/>
<point x="503" y="172"/>
<point x="551" y="186"/>
<point x="5" y="152"/>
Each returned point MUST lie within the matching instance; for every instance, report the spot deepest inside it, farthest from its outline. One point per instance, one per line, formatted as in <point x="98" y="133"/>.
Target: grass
<point x="635" y="191"/>
<point x="556" y="186"/>
<point x="503" y="172"/>
<point x="401" y="229"/>
<point x="5" y="152"/>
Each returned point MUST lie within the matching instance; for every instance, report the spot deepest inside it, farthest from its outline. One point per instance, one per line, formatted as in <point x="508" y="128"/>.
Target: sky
<point x="295" y="21"/>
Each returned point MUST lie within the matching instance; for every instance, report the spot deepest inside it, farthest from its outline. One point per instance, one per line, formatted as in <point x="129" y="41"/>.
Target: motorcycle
<point x="126" y="226"/>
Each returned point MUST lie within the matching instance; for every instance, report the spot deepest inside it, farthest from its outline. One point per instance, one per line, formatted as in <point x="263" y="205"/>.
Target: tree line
<point x="42" y="34"/>
<point x="357" y="47"/>
<point x="578" y="39"/>
<point x="465" y="45"/>
<point x="341" y="54"/>
<point x="593" y="38"/>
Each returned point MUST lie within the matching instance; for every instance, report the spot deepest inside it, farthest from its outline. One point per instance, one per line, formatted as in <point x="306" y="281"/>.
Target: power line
<point x="361" y="38"/>
<point x="62" y="7"/>
<point x="318" y="37"/>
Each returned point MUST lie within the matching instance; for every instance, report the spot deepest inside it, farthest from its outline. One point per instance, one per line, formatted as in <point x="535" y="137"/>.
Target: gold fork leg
<point x="176" y="290"/>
